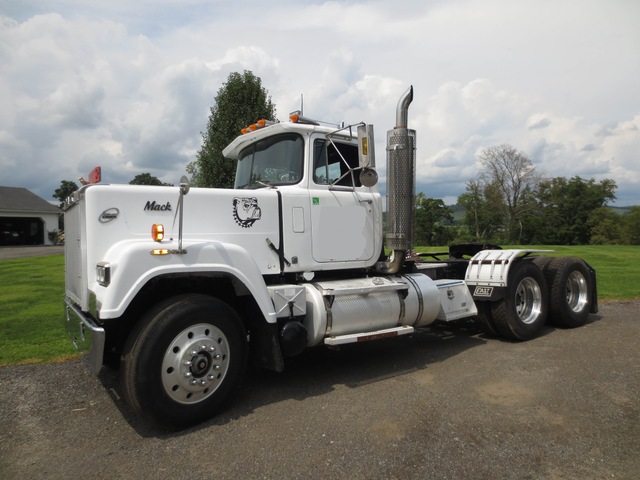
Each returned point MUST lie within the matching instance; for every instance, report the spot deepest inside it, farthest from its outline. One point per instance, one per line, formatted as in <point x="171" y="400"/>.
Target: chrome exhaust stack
<point x="401" y="165"/>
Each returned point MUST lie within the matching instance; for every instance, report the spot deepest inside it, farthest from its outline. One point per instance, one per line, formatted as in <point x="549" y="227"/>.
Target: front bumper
<point x="85" y="334"/>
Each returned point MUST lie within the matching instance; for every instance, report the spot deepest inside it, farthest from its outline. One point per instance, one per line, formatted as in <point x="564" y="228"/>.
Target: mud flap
<point x="264" y="346"/>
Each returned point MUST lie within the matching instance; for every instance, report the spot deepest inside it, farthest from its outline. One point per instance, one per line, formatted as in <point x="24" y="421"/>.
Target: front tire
<point x="523" y="311"/>
<point x="184" y="361"/>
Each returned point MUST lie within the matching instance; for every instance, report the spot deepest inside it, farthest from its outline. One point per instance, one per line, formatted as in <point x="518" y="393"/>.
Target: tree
<point x="431" y="214"/>
<point x="241" y="101"/>
<point x="67" y="187"/>
<point x="483" y="207"/>
<point x="606" y="226"/>
<point x="631" y="226"/>
<point x="193" y="172"/>
<point x="147" y="179"/>
<point x="566" y="204"/>
<point x="514" y="176"/>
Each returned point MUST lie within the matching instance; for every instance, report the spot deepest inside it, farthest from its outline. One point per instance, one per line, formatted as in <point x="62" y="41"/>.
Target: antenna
<point x="302" y="104"/>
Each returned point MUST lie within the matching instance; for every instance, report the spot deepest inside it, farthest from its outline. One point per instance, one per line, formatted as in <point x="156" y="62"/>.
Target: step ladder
<point x="368" y="336"/>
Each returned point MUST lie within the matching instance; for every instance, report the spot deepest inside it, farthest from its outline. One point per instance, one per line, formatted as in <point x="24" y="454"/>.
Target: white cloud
<point x="128" y="85"/>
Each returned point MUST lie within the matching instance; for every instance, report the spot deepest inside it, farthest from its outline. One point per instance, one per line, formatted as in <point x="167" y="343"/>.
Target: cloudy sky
<point x="127" y="85"/>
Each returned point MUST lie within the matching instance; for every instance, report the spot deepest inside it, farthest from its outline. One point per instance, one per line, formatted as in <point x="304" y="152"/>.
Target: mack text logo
<point x="483" y="291"/>
<point x="152" y="206"/>
<point x="246" y="211"/>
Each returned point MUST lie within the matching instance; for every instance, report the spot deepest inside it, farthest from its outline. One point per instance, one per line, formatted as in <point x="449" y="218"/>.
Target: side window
<point x="332" y="167"/>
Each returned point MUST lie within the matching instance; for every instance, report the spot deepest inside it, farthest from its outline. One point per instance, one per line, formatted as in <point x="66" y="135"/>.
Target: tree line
<point x="508" y="202"/>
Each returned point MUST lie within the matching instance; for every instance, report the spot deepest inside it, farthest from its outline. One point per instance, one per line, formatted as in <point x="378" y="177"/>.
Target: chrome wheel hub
<point x="195" y="363"/>
<point x="528" y="300"/>
<point x="576" y="291"/>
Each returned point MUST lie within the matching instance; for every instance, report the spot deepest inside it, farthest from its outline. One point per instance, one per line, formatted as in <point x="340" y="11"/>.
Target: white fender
<point x="491" y="267"/>
<point x="133" y="266"/>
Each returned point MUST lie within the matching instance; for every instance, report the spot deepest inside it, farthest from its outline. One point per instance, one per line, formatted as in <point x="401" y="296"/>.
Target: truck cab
<point x="328" y="219"/>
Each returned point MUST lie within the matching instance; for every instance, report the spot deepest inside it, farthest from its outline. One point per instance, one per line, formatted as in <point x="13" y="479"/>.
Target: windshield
<point x="275" y="160"/>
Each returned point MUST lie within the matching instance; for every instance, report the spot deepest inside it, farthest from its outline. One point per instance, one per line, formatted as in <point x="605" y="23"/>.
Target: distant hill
<point x="459" y="212"/>
<point x="621" y="210"/>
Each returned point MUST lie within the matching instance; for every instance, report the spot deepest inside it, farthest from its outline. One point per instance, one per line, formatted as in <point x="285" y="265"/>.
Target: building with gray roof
<point x="25" y="218"/>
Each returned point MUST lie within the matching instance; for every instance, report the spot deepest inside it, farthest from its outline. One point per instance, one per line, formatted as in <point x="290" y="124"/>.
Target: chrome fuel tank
<point x="357" y="305"/>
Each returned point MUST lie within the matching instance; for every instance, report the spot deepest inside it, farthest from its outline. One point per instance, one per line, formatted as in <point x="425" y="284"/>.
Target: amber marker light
<point x="157" y="232"/>
<point x="365" y="146"/>
<point x="294" y="117"/>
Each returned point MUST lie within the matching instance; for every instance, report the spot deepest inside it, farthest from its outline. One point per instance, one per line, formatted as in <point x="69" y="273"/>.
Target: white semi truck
<point x="181" y="287"/>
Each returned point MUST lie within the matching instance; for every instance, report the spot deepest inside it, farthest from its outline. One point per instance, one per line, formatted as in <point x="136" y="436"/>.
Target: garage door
<point x="21" y="231"/>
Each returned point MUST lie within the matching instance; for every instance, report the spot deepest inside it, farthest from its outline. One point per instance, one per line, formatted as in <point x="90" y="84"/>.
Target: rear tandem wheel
<point x="523" y="311"/>
<point x="570" y="290"/>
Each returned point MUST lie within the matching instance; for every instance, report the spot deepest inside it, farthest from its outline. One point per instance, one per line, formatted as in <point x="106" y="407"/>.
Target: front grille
<point x="76" y="285"/>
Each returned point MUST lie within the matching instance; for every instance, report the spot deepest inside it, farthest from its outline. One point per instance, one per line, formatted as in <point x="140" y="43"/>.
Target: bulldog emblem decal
<point x="246" y="211"/>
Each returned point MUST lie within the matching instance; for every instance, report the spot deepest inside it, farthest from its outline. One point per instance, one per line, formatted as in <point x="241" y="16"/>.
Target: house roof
<point x="16" y="199"/>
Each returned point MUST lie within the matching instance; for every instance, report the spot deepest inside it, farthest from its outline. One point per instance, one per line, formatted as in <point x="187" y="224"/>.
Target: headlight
<point x="103" y="273"/>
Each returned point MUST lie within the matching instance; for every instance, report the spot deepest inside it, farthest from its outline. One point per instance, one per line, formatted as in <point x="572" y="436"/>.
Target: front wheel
<point x="523" y="311"/>
<point x="184" y="361"/>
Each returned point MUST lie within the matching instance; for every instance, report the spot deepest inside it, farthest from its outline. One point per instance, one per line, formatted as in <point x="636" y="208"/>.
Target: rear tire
<point x="523" y="311"/>
<point x="569" y="291"/>
<point x="485" y="319"/>
<point x="542" y="262"/>
<point x="184" y="361"/>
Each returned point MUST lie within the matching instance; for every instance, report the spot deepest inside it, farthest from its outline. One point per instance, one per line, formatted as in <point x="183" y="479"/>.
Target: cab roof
<point x="232" y="151"/>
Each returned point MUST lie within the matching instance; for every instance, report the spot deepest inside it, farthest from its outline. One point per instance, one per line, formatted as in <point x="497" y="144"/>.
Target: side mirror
<point x="185" y="185"/>
<point x="368" y="177"/>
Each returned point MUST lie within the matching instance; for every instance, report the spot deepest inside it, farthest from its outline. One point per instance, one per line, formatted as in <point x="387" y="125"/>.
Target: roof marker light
<point x="255" y="126"/>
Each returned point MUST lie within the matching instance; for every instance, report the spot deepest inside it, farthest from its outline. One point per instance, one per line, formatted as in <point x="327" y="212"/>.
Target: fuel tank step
<point x="368" y="336"/>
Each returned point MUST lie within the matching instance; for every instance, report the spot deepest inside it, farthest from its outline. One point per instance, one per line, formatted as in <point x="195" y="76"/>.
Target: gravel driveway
<point x="452" y="404"/>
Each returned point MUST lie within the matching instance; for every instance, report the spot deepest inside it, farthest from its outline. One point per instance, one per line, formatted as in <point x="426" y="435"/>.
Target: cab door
<point x="344" y="223"/>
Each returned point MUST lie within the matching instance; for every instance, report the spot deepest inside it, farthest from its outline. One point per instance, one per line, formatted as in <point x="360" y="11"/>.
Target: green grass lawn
<point x="32" y="315"/>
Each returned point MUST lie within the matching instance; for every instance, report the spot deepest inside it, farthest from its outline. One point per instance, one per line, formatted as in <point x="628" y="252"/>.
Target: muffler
<point x="401" y="165"/>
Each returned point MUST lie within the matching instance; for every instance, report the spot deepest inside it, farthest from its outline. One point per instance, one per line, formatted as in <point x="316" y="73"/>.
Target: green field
<point x="32" y="315"/>
<point x="31" y="320"/>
